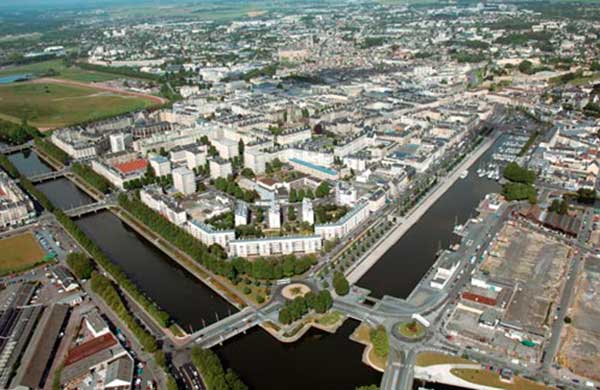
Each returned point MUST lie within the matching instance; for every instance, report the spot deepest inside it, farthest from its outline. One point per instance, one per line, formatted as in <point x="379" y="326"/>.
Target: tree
<point x="241" y="147"/>
<point x="322" y="190"/>
<point x="293" y="197"/>
<point x="516" y="173"/>
<point x="340" y="284"/>
<point x="80" y="264"/>
<point x="291" y="213"/>
<point x="586" y="195"/>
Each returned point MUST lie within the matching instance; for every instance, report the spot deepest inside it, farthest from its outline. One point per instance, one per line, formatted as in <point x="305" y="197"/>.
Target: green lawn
<point x="47" y="105"/>
<point x="67" y="73"/>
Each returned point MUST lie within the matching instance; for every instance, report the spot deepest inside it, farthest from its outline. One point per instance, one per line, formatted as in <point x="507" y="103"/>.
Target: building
<point x="95" y="324"/>
<point x="160" y="165"/>
<point x="271" y="246"/>
<point x="227" y="148"/>
<point x="316" y="170"/>
<point x="119" y="171"/>
<point x="308" y="214"/>
<point x="219" y="168"/>
<point x="153" y="197"/>
<point x="92" y="360"/>
<point x="76" y="143"/>
<point x="15" y="205"/>
<point x="118" y="142"/>
<point x="184" y="180"/>
<point x="241" y="214"/>
<point x="274" y="216"/>
<point x="338" y="229"/>
<point x="209" y="235"/>
<point x="195" y="157"/>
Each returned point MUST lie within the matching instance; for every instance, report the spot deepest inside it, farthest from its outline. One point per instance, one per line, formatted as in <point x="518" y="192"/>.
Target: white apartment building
<point x="274" y="216"/>
<point x="153" y="197"/>
<point x="184" y="180"/>
<point x="315" y="170"/>
<point x="295" y="135"/>
<point x="270" y="246"/>
<point x="75" y="145"/>
<point x="15" y="206"/>
<point x="241" y="214"/>
<point x="219" y="168"/>
<point x="117" y="142"/>
<point x="308" y="213"/>
<point x="338" y="229"/>
<point x="161" y="165"/>
<point x="195" y="157"/>
<point x="208" y="235"/>
<point x="227" y="148"/>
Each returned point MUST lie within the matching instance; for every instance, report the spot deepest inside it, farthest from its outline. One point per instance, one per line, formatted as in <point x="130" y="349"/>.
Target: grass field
<point x="67" y="73"/>
<point x="425" y="359"/>
<point x="48" y="105"/>
<point x="489" y="378"/>
<point x="19" y="252"/>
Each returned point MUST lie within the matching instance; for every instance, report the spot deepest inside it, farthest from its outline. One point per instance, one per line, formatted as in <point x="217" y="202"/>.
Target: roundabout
<point x="409" y="331"/>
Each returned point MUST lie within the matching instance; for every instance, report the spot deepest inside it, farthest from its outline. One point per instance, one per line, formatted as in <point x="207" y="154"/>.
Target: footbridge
<point x="79" y="211"/>
<point x="48" y="176"/>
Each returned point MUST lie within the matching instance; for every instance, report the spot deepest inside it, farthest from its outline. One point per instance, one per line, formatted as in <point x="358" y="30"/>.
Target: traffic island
<point x="294" y="290"/>
<point x="410" y="331"/>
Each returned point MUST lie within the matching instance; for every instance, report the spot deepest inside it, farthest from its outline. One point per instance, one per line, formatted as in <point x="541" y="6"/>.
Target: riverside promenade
<point x="386" y="242"/>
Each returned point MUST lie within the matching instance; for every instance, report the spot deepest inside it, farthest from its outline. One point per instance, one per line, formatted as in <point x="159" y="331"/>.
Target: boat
<point x="464" y="174"/>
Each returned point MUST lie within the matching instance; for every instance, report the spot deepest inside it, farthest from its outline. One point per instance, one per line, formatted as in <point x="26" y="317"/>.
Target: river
<point x="401" y="268"/>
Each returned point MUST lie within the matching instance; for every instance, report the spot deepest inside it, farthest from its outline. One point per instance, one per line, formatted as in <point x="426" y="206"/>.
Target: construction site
<point x="580" y="337"/>
<point x="508" y="306"/>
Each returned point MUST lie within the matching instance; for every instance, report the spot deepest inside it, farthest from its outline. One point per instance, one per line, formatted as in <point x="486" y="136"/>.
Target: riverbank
<point x="386" y="242"/>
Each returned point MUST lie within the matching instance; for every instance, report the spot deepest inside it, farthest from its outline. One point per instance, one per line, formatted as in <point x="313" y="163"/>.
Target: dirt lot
<point x="580" y="340"/>
<point x="538" y="265"/>
<point x="19" y="252"/>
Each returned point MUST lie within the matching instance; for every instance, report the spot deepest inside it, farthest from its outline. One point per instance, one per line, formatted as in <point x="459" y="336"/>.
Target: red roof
<point x="132" y="166"/>
<point x="90" y="348"/>
<point x="479" y="298"/>
<point x="2" y="193"/>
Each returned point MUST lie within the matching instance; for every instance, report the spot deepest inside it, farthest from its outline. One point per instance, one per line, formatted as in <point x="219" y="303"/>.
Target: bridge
<point x="48" y="176"/>
<point x="78" y="211"/>
<point x="399" y="372"/>
<point x="231" y="326"/>
<point x="16" y="148"/>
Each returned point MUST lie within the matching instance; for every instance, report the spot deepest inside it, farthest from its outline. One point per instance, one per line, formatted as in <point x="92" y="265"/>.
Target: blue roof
<point x="159" y="159"/>
<point x="320" y="168"/>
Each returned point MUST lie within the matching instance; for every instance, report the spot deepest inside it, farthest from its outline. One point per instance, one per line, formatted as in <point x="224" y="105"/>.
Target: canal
<point x="191" y="303"/>
<point x="319" y="360"/>
<point x="401" y="268"/>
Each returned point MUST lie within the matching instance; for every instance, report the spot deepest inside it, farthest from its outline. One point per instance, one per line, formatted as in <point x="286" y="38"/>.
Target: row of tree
<point x="16" y="133"/>
<point x="92" y="178"/>
<point x="80" y="264"/>
<point x="298" y="307"/>
<point x="115" y="271"/>
<point x="273" y="269"/>
<point x="52" y="150"/>
<point x="214" y="257"/>
<point x="297" y="196"/>
<point x="213" y="374"/>
<point x="104" y="287"/>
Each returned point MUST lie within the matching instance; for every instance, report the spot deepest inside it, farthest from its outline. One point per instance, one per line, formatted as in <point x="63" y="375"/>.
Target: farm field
<point x="74" y="73"/>
<point x="19" y="253"/>
<point x="51" y="103"/>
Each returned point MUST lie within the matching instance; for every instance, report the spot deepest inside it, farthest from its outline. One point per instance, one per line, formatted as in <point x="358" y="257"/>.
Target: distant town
<point x="300" y="195"/>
